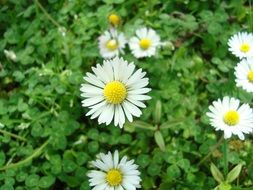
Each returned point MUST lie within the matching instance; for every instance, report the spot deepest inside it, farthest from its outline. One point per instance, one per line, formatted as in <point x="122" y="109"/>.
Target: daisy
<point x="111" y="44"/>
<point x="116" y="91"/>
<point x="114" y="174"/>
<point x="114" y="19"/>
<point x="241" y="45"/>
<point x="10" y="55"/>
<point x="244" y="74"/>
<point x="145" y="42"/>
<point x="227" y="115"/>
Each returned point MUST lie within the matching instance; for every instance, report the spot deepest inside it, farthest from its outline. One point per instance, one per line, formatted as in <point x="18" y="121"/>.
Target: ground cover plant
<point x="117" y="94"/>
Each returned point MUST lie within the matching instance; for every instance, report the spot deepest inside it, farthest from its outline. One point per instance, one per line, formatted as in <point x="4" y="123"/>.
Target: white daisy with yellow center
<point x="115" y="91"/>
<point x="241" y="45"/>
<point x="244" y="74"/>
<point x="227" y="115"/>
<point x="145" y="43"/>
<point x="111" y="44"/>
<point x="114" y="174"/>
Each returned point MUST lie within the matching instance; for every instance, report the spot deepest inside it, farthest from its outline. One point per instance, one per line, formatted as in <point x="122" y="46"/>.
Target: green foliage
<point x="40" y="98"/>
<point x="234" y="173"/>
<point x="216" y="173"/>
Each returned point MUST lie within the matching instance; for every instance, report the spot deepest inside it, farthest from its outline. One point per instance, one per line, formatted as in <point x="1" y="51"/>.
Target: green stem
<point x="47" y="14"/>
<point x="13" y="135"/>
<point x="36" y="153"/>
<point x="250" y="17"/>
<point x="225" y="156"/>
<point x="212" y="149"/>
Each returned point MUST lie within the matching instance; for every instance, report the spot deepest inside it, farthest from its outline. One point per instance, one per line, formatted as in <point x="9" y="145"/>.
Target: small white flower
<point x="10" y="55"/>
<point x="241" y="45"/>
<point x="111" y="44"/>
<point x="145" y="42"/>
<point x="115" y="91"/>
<point x="23" y="126"/>
<point x="114" y="174"/>
<point x="227" y="115"/>
<point x="62" y="31"/>
<point x="244" y="74"/>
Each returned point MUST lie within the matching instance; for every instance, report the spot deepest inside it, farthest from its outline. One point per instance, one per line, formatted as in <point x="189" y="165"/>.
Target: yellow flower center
<point x="231" y="118"/>
<point x="115" y="92"/>
<point x="112" y="45"/>
<point x="245" y="47"/>
<point x="145" y="43"/>
<point x="114" y="177"/>
<point x="114" y="19"/>
<point x="250" y="76"/>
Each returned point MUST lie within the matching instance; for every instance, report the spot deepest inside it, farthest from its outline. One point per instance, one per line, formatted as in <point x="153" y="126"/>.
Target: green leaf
<point x="93" y="134"/>
<point x="19" y="76"/>
<point x="216" y="173"/>
<point x="143" y="160"/>
<point x="142" y="125"/>
<point x="173" y="171"/>
<point x="81" y="158"/>
<point x="46" y="181"/>
<point x="169" y="124"/>
<point x="68" y="166"/>
<point x="126" y="139"/>
<point x="32" y="180"/>
<point x="93" y="146"/>
<point x="56" y="164"/>
<point x="225" y="186"/>
<point x="159" y="140"/>
<point x="234" y="173"/>
<point x="21" y="176"/>
<point x="240" y="188"/>
<point x="184" y="164"/>
<point x="7" y="187"/>
<point x="154" y="169"/>
<point x="158" y="112"/>
<point x="58" y="141"/>
<point x="113" y="1"/>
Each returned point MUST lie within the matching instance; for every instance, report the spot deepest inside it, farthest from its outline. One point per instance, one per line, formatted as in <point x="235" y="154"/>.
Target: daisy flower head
<point x="241" y="45"/>
<point x="244" y="74"/>
<point x="111" y="44"/>
<point x="227" y="115"/>
<point x="115" y="91"/>
<point x="114" y="19"/>
<point x="113" y="173"/>
<point x="145" y="43"/>
<point x="10" y="55"/>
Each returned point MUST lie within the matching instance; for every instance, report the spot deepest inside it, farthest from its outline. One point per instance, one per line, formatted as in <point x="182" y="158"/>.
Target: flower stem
<point x="36" y="153"/>
<point x="212" y="149"/>
<point x="225" y="156"/>
<point x="13" y="135"/>
<point x="47" y="14"/>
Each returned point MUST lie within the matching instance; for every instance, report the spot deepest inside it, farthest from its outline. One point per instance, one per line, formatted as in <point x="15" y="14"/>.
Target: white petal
<point x="134" y="110"/>
<point x="91" y="101"/>
<point x="115" y="159"/>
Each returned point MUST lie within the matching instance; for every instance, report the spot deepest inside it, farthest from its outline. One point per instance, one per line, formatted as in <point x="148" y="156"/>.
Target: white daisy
<point x="227" y="115"/>
<point x="111" y="44"/>
<point x="244" y="74"/>
<point x="115" y="91"/>
<point x="114" y="174"/>
<point x="145" y="42"/>
<point x="10" y="55"/>
<point x="241" y="44"/>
